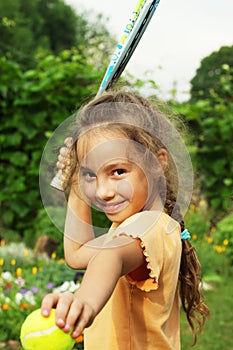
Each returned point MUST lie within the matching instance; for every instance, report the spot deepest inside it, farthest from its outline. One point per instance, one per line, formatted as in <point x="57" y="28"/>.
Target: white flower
<point x="67" y="286"/>
<point x="18" y="298"/>
<point x="28" y="296"/>
<point x="7" y="276"/>
<point x="20" y="281"/>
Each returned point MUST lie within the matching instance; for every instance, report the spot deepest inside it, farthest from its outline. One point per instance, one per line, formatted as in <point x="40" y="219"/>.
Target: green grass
<point x="218" y="331"/>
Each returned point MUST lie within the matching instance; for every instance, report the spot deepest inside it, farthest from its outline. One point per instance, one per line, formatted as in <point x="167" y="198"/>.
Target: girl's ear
<point x="163" y="158"/>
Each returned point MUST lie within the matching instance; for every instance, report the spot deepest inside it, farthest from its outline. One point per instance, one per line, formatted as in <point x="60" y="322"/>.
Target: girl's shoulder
<point x="144" y="222"/>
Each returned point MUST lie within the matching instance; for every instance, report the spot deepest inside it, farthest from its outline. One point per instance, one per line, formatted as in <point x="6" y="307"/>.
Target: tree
<point x="207" y="80"/>
<point x="30" y="30"/>
<point x="210" y="115"/>
<point x="32" y="104"/>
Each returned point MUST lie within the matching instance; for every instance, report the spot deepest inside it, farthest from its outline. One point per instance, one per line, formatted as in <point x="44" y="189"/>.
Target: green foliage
<point x="32" y="104"/>
<point x="217" y="332"/>
<point x="222" y="237"/>
<point x="210" y="117"/>
<point x="26" y="26"/>
<point x="213" y="245"/>
<point x="30" y="30"/>
<point x="208" y="77"/>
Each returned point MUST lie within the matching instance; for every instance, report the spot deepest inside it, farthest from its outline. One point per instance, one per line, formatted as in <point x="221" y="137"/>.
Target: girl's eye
<point x="118" y="172"/>
<point x="88" y="175"/>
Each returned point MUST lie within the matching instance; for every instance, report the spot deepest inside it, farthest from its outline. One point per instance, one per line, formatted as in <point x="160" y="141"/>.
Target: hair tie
<point x="185" y="235"/>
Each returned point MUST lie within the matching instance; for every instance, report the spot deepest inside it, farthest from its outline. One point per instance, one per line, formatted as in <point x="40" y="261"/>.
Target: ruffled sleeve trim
<point x="151" y="229"/>
<point x="150" y="283"/>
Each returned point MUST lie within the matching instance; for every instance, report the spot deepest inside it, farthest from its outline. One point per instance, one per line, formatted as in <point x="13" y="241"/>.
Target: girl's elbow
<point x="73" y="262"/>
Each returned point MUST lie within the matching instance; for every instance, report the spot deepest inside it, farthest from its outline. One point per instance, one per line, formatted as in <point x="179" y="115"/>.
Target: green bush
<point x="32" y="105"/>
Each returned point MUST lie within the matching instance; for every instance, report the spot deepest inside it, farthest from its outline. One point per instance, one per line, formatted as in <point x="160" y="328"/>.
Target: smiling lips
<point x="112" y="208"/>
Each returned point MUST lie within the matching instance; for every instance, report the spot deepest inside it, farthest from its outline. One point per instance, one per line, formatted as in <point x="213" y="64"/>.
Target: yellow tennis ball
<point x="41" y="333"/>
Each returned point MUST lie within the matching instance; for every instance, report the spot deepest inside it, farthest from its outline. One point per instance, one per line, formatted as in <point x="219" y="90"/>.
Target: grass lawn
<point x="218" y="331"/>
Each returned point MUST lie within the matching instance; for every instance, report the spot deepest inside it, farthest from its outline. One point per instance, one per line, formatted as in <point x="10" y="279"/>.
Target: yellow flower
<point x="203" y="203"/>
<point x="13" y="262"/>
<point x="192" y="208"/>
<point x="19" y="272"/>
<point x="5" y="307"/>
<point x="1" y="262"/>
<point x="209" y="240"/>
<point x="2" y="242"/>
<point x="225" y="242"/>
<point x="219" y="249"/>
<point x="194" y="236"/>
<point x="34" y="270"/>
<point x="53" y="256"/>
<point x="25" y="253"/>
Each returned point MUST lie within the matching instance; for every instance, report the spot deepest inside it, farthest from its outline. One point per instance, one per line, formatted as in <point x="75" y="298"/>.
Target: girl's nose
<point x="104" y="190"/>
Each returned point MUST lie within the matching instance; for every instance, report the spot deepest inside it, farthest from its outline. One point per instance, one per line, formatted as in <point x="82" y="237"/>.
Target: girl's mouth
<point x="112" y="208"/>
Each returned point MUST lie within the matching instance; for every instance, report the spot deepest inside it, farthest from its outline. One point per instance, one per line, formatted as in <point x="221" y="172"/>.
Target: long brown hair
<point x="146" y="115"/>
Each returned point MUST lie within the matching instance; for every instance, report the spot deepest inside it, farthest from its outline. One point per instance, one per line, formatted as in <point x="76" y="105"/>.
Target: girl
<point x="128" y="298"/>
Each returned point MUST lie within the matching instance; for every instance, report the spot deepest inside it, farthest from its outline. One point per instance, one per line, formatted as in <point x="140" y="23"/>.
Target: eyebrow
<point x="117" y="164"/>
<point x="84" y="169"/>
<point x="108" y="167"/>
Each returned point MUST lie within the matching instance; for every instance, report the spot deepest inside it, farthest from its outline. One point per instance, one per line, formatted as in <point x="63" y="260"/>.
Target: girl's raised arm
<point x="78" y="225"/>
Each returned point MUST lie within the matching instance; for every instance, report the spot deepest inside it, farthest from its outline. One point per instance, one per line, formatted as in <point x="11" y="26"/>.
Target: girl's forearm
<point x="78" y="225"/>
<point x="101" y="277"/>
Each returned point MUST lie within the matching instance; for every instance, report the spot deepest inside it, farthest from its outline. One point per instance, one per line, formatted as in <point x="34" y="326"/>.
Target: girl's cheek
<point x="125" y="188"/>
<point x="88" y="190"/>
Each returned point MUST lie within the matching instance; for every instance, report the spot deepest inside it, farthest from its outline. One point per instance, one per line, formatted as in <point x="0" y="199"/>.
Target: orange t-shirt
<point x="143" y="315"/>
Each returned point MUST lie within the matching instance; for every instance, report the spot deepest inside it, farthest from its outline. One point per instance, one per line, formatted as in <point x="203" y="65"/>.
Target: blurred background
<point x="53" y="55"/>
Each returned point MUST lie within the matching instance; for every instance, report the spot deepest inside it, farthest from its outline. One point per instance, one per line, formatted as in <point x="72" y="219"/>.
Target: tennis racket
<point x="129" y="40"/>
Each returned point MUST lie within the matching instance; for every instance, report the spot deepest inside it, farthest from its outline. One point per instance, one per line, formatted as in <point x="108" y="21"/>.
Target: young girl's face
<point x="111" y="175"/>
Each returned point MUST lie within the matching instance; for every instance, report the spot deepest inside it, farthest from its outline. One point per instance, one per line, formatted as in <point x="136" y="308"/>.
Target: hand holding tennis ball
<point x="38" y="333"/>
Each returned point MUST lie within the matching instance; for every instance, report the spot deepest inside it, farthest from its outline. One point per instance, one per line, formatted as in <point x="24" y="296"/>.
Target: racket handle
<point x="62" y="178"/>
<point x="58" y="182"/>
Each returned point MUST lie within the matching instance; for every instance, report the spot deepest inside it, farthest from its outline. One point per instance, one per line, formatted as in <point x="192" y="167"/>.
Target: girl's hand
<point x="72" y="313"/>
<point x="65" y="154"/>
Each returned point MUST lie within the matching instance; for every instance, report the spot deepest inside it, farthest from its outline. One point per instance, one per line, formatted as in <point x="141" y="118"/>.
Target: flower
<point x="19" y="272"/>
<point x="7" y="276"/>
<point x="5" y="307"/>
<point x="23" y="291"/>
<point x="34" y="289"/>
<point x="26" y="252"/>
<point x="13" y="262"/>
<point x="219" y="249"/>
<point x="34" y="270"/>
<point x="49" y="285"/>
<point x="20" y="281"/>
<point x="67" y="287"/>
<point x="53" y="256"/>
<point x="225" y="242"/>
<point x="2" y="242"/>
<point x="209" y="240"/>
<point x="26" y="295"/>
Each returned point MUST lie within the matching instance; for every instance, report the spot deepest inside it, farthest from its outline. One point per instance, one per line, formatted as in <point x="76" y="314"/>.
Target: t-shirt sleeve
<point x="149" y="228"/>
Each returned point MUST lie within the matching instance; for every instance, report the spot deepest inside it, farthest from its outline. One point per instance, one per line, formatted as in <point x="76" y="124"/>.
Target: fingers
<point x="72" y="314"/>
<point x="68" y="142"/>
<point x="63" y="158"/>
<point x="85" y="319"/>
<point x="49" y="302"/>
